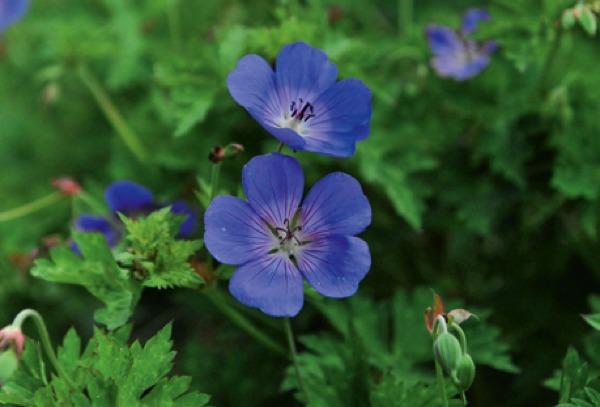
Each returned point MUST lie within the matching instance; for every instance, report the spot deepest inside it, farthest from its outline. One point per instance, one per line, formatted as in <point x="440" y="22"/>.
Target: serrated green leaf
<point x="158" y="257"/>
<point x="98" y="272"/>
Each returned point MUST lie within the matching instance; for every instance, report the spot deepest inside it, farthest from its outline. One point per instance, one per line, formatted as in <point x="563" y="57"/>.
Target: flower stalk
<point x="44" y="339"/>
<point x="31" y="207"/>
<point x="217" y="298"/>
<point x="113" y="115"/>
<point x="294" y="356"/>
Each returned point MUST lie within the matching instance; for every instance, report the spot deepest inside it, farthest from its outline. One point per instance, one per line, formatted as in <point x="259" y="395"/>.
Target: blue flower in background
<point x="301" y="104"/>
<point x="277" y="240"/>
<point x="131" y="200"/>
<point x="11" y="11"/>
<point x="455" y="54"/>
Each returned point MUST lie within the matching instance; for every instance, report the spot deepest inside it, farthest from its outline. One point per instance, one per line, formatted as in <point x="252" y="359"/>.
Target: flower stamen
<point x="302" y="111"/>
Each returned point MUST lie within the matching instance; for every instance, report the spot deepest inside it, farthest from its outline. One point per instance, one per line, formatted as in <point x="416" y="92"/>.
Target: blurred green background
<point x="487" y="190"/>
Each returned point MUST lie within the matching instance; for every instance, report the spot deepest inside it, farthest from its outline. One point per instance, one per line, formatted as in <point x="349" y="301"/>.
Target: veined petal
<point x="191" y="217"/>
<point x="234" y="234"/>
<point x="271" y="283"/>
<point x="343" y="115"/>
<point x="302" y="71"/>
<point x="252" y="85"/>
<point x="472" y="18"/>
<point x="98" y="224"/>
<point x="444" y="41"/>
<point x="11" y="11"/>
<point x="128" y="197"/>
<point x="273" y="184"/>
<point x="335" y="205"/>
<point x="335" y="265"/>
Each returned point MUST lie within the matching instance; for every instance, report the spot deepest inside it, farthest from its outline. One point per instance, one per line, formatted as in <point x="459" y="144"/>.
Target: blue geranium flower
<point x="11" y="11"/>
<point x="131" y="200"/>
<point x="277" y="239"/>
<point x="455" y="54"/>
<point x="301" y="104"/>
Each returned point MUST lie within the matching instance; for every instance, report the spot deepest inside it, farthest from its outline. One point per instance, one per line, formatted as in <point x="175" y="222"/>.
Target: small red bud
<point x="67" y="185"/>
<point x="13" y="337"/>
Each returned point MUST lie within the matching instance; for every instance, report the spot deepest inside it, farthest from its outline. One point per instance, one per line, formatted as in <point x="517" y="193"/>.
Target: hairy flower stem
<point x="294" y="356"/>
<point x="31" y="207"/>
<point x="44" y="339"/>
<point x="129" y="137"/>
<point x="241" y="321"/>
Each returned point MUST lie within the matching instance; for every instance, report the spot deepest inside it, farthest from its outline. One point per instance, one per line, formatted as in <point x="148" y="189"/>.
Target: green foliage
<point x="97" y="271"/>
<point x="156" y="257"/>
<point x="487" y="189"/>
<point x="107" y="373"/>
<point x="383" y="351"/>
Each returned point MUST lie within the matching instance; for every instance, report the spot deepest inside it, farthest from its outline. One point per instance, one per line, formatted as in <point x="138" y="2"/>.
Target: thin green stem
<point x="549" y="60"/>
<point x="294" y="356"/>
<point x="91" y="202"/>
<point x="439" y="374"/>
<point x="31" y="207"/>
<point x="461" y="336"/>
<point x="112" y="114"/>
<point x="280" y="147"/>
<point x="44" y="339"/>
<point x="241" y="321"/>
<point x="405" y="10"/>
<point x="174" y="23"/>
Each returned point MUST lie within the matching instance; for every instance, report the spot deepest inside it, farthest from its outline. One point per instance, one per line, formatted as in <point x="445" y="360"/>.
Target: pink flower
<point x="12" y="336"/>
<point x="67" y="185"/>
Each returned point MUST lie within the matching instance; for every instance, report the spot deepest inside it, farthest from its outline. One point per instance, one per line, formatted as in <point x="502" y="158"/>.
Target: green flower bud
<point x="8" y="365"/>
<point x="447" y="351"/>
<point x="568" y="19"/>
<point x="465" y="373"/>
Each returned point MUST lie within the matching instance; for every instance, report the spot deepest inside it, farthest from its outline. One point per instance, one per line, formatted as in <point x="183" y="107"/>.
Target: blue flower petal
<point x="273" y="184"/>
<point x="252" y="85"/>
<point x="234" y="234"/>
<point x="98" y="224"/>
<point x="444" y="41"/>
<point x="272" y="284"/>
<point x="472" y="18"/>
<point x="128" y="198"/>
<point x="335" y="265"/>
<point x="342" y="116"/>
<point x="335" y="205"/>
<point x="188" y="227"/>
<point x="11" y="11"/>
<point x="303" y="72"/>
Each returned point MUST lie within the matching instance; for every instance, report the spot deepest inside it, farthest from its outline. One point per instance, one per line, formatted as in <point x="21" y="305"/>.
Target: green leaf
<point x="98" y="272"/>
<point x="593" y="320"/>
<point x="587" y="20"/>
<point x="108" y="373"/>
<point x="156" y="257"/>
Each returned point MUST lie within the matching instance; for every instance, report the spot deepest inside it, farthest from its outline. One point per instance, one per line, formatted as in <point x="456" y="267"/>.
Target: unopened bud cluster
<point x="451" y="354"/>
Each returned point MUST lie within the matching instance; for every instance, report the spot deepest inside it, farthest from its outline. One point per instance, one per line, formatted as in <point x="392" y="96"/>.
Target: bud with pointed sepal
<point x="448" y="352"/>
<point x="465" y="373"/>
